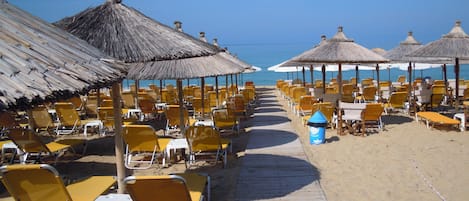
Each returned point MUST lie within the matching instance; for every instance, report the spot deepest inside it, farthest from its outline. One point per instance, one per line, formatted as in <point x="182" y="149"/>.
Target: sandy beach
<point x="406" y="161"/>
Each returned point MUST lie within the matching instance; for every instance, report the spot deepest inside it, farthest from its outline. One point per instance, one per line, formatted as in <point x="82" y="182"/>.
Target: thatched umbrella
<point x="143" y="44"/>
<point x="39" y="62"/>
<point x="340" y="50"/>
<point x="399" y="55"/>
<point x="454" y="45"/>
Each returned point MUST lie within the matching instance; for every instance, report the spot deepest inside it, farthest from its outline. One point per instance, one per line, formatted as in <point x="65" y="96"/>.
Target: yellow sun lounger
<point x="181" y="187"/>
<point x="43" y="182"/>
<point x="433" y="118"/>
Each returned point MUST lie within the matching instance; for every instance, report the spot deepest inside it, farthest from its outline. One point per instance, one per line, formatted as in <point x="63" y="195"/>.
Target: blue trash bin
<point x="317" y="128"/>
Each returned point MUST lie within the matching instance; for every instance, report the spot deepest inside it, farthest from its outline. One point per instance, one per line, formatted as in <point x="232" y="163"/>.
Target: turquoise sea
<point x="266" y="55"/>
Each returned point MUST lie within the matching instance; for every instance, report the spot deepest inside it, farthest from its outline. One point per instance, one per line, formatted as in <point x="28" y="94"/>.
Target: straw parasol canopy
<point x="151" y="50"/>
<point x="39" y="62"/>
<point x="399" y="53"/>
<point x="340" y="50"/>
<point x="454" y="45"/>
<point x="379" y="51"/>
<point x="126" y="34"/>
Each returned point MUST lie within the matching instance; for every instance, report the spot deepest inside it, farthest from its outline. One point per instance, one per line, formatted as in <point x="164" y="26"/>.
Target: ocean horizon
<point x="267" y="55"/>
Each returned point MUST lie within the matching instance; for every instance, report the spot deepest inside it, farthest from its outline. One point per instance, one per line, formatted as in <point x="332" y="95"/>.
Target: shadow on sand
<point x="266" y="176"/>
<point x="281" y="137"/>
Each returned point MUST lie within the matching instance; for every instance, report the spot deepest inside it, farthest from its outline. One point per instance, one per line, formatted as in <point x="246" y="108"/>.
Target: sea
<point x="267" y="55"/>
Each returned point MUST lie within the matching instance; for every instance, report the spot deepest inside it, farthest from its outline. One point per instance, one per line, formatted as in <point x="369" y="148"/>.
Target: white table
<point x="114" y="197"/>
<point x="173" y="145"/>
<point x="204" y="123"/>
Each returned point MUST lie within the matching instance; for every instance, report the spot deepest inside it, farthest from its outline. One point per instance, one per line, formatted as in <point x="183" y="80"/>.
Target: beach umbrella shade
<point x="454" y="45"/>
<point x="339" y="50"/>
<point x="170" y="54"/>
<point x="39" y="62"/>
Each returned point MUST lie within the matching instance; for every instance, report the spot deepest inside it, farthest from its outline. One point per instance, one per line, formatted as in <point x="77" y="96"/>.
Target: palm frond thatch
<point x="39" y="61"/>
<point x="126" y="34"/>
<point x="195" y="67"/>
<point x="339" y="49"/>
<point x="455" y="44"/>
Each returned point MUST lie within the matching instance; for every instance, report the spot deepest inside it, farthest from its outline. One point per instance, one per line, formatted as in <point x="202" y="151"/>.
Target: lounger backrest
<point x="40" y="117"/>
<point x="203" y="138"/>
<point x="27" y="140"/>
<point x="35" y="182"/>
<point x="372" y="111"/>
<point x="67" y="114"/>
<point x="146" y="188"/>
<point x="140" y="138"/>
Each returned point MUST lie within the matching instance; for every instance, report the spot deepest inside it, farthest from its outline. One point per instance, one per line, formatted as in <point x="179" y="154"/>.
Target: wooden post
<point x="311" y="70"/>
<point x="339" y="112"/>
<point x="377" y="79"/>
<point x="323" y="70"/>
<point x="182" y="123"/>
<point x="304" y="79"/>
<point x="456" y="72"/>
<point x="202" y="91"/>
<point x="216" y="90"/>
<point x="118" y="139"/>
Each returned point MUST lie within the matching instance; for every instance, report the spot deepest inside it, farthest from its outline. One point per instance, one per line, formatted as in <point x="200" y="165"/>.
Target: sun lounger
<point x="434" y="118"/>
<point x="43" y="182"/>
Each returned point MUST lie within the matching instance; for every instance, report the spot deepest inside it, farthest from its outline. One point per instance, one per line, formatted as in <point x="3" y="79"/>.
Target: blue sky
<point x="371" y="23"/>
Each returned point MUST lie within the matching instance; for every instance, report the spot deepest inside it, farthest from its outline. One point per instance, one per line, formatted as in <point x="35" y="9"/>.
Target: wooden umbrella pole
<point x="182" y="123"/>
<point x="231" y="88"/>
<point x="339" y="113"/>
<point x="202" y="91"/>
<point x="356" y="76"/>
<point x="445" y="78"/>
<point x="236" y="81"/>
<point x="226" y="85"/>
<point x="323" y="70"/>
<point x="377" y="80"/>
<point x="161" y="90"/>
<point x="311" y="70"/>
<point x="456" y="72"/>
<point x="304" y="78"/>
<point x="216" y="90"/>
<point x="118" y="139"/>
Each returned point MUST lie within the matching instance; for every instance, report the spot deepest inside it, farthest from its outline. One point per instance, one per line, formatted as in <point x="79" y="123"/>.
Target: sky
<point x="371" y="23"/>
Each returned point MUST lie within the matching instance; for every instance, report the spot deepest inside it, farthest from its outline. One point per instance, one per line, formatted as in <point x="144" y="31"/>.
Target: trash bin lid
<point x="317" y="117"/>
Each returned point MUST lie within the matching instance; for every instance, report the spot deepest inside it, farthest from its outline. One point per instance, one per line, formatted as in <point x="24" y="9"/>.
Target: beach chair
<point x="147" y="107"/>
<point x="351" y="115"/>
<point x="106" y="115"/>
<point x="371" y="117"/>
<point x="305" y="105"/>
<point x="39" y="182"/>
<point x="142" y="141"/>
<point x="434" y="118"/>
<point x="223" y="120"/>
<point x="180" y="187"/>
<point x="369" y="94"/>
<point x="129" y="99"/>
<point x="69" y="120"/>
<point x="173" y="120"/>
<point x="197" y="105"/>
<point x="206" y="141"/>
<point x="41" y="119"/>
<point x="31" y="144"/>
<point x="401" y="79"/>
<point x="347" y="93"/>
<point x="396" y="101"/>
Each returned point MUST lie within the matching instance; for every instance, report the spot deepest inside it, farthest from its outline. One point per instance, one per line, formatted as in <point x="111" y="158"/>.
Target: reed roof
<point x="338" y="49"/>
<point x="455" y="44"/>
<point x="41" y="62"/>
<point x="127" y="34"/>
